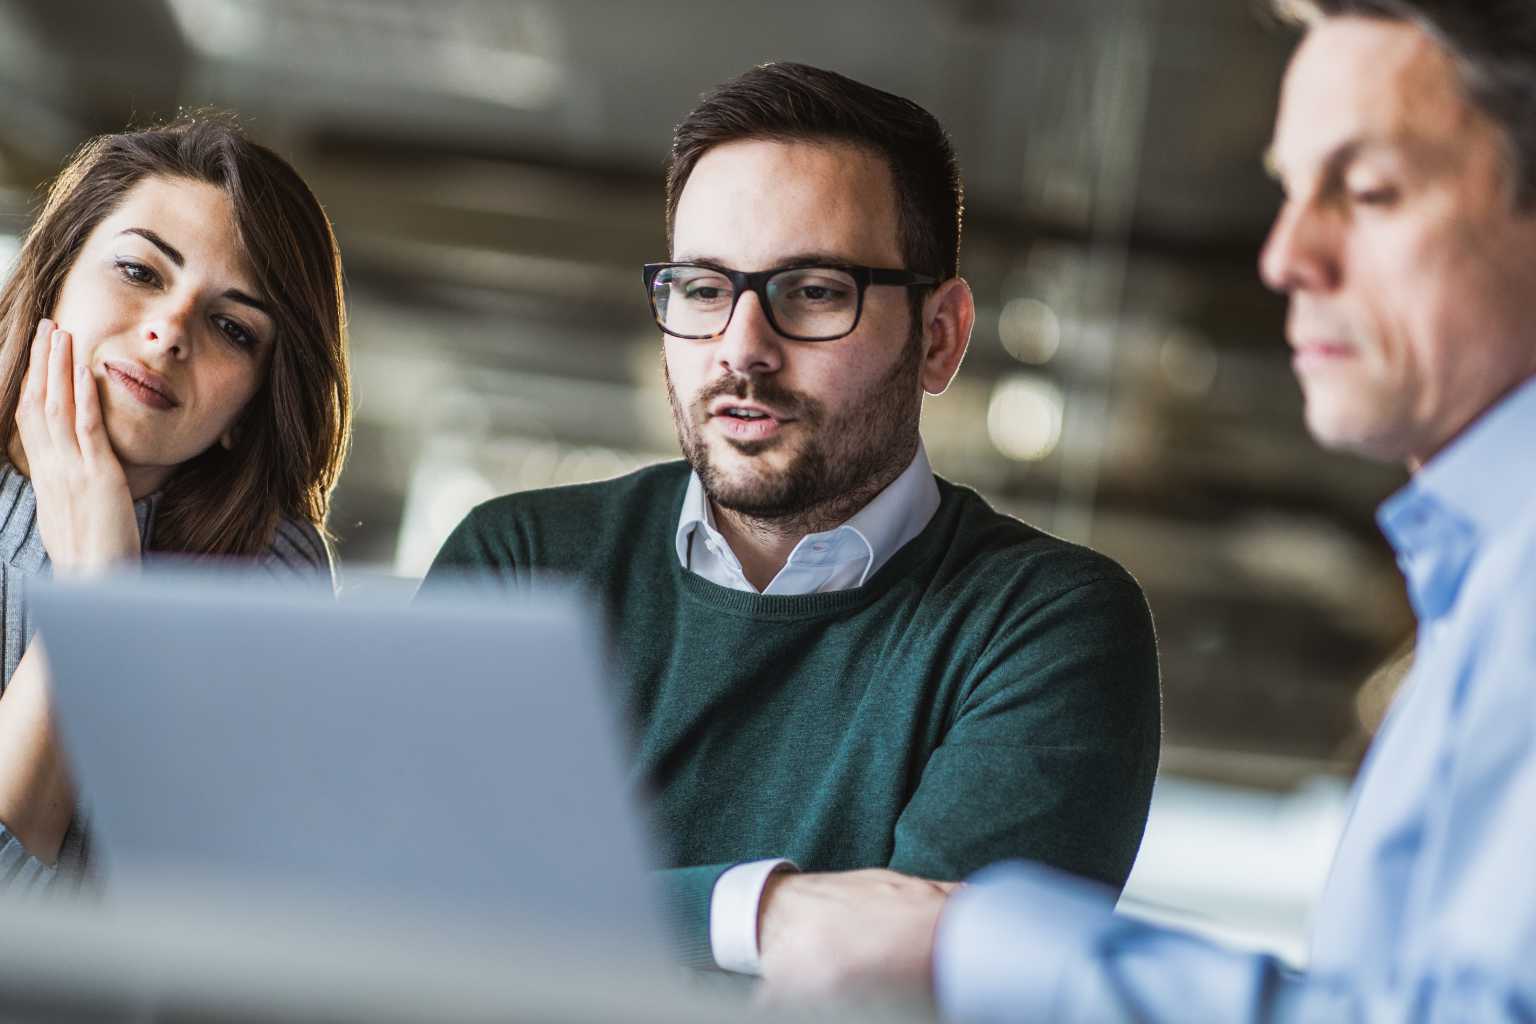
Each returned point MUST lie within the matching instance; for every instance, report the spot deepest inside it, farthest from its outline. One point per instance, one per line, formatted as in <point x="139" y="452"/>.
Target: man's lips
<point x="745" y="409"/>
<point x="745" y="420"/>
<point x="1320" y="352"/>
<point x="143" y="384"/>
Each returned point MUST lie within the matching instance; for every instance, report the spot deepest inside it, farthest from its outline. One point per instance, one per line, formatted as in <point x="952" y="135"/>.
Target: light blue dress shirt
<point x="1430" y="911"/>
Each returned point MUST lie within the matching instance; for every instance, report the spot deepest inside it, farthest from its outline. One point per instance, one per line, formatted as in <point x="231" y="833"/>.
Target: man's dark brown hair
<point x="797" y="103"/>
<point x="291" y="439"/>
<point x="1493" y="43"/>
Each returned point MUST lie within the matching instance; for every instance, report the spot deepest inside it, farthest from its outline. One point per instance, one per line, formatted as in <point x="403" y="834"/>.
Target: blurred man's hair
<point x="1493" y="43"/>
<point x="795" y="102"/>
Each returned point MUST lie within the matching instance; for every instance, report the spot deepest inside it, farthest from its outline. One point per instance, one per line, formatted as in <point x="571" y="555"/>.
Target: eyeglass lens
<point x="807" y="302"/>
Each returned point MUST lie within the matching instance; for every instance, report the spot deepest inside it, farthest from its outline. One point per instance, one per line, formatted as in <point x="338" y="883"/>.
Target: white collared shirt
<point x="838" y="559"/>
<point x="841" y="558"/>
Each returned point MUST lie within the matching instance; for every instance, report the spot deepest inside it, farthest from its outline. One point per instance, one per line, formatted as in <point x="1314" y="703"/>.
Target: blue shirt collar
<point x="1477" y="486"/>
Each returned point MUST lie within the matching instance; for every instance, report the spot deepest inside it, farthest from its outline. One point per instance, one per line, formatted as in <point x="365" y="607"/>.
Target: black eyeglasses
<point x="809" y="303"/>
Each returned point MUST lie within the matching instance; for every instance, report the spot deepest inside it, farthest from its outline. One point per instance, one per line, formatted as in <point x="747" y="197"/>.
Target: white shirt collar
<point x="837" y="559"/>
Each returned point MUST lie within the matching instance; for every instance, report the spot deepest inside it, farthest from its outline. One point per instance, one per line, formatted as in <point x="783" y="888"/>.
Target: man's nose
<point x="750" y="346"/>
<point x="1301" y="253"/>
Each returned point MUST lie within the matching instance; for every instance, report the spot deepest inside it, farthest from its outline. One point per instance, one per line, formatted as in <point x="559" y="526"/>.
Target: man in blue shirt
<point x="1406" y="147"/>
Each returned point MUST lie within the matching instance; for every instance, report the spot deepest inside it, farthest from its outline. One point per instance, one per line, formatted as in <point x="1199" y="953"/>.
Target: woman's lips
<point x="139" y="386"/>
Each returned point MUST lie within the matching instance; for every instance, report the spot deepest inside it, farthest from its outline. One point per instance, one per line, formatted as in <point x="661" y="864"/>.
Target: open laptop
<point x="456" y="760"/>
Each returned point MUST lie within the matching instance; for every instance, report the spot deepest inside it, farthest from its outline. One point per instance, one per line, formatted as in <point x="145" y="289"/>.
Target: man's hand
<point x="84" y="508"/>
<point x="848" y="934"/>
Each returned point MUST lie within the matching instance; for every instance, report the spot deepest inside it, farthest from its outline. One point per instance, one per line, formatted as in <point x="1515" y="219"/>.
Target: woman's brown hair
<point x="291" y="440"/>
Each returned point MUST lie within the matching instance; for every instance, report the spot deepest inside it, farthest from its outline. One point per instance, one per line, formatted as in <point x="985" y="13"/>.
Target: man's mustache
<point x="758" y="389"/>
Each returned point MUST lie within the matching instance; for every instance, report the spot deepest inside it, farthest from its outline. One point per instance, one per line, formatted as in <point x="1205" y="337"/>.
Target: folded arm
<point x="1051" y="756"/>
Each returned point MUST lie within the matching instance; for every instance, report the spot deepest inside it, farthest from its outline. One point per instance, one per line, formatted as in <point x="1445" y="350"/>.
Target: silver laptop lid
<point x="457" y="759"/>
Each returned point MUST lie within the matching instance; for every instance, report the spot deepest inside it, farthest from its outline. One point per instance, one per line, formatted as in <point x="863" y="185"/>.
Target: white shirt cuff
<point x="733" y="908"/>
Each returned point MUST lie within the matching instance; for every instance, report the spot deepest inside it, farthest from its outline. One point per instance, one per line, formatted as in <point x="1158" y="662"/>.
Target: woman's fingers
<point x="59" y="403"/>
<point x="59" y="414"/>
<point x="84" y="507"/>
<point x="29" y="410"/>
<point x="90" y="432"/>
<point x="35" y="384"/>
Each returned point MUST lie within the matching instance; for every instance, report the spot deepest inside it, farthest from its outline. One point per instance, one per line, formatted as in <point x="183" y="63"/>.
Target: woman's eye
<point x="136" y="272"/>
<point x="235" y="331"/>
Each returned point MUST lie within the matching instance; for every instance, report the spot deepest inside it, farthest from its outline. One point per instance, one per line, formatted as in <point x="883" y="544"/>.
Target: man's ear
<point x="948" y="316"/>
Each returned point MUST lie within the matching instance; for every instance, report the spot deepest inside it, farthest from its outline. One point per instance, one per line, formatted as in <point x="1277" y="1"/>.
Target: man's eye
<point x="819" y="293"/>
<point x="135" y="272"/>
<point x="1373" y="196"/>
<point x="703" y="292"/>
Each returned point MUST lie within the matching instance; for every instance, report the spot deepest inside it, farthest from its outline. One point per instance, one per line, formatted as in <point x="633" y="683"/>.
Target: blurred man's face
<point x="1409" y="270"/>
<point x="776" y="428"/>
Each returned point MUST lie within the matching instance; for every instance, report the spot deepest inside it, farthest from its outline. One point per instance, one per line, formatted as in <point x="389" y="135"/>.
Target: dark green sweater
<point x="991" y="692"/>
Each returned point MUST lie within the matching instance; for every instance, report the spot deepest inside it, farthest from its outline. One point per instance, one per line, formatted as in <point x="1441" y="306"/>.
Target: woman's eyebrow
<point x="235" y="295"/>
<point x="174" y="255"/>
<point x="171" y="252"/>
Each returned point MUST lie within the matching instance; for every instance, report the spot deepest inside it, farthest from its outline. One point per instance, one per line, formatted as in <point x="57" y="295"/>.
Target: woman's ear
<point x="227" y="439"/>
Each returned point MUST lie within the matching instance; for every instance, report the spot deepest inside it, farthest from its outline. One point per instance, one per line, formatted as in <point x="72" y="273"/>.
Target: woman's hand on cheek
<point x="84" y="508"/>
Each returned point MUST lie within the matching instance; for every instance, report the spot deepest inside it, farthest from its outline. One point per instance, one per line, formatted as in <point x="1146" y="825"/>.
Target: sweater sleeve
<point x="298" y="553"/>
<point x="685" y="900"/>
<point x="19" y="870"/>
<point x="476" y="552"/>
<point x="1052" y="752"/>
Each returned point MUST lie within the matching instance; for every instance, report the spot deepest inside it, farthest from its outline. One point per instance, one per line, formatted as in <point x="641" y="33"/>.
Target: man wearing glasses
<point x="833" y="659"/>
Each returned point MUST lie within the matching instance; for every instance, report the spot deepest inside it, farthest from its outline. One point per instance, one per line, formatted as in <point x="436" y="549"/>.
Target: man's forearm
<point x="849" y="933"/>
<point x="1025" y="943"/>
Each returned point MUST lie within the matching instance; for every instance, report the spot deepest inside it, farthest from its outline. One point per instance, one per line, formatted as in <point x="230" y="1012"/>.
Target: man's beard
<point x="844" y="459"/>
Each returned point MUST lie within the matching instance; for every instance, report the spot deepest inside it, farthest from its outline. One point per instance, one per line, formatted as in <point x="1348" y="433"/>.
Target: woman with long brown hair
<point x="173" y="378"/>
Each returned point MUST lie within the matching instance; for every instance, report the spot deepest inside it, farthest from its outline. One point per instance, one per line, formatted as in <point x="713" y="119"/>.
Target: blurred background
<point x="494" y="172"/>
